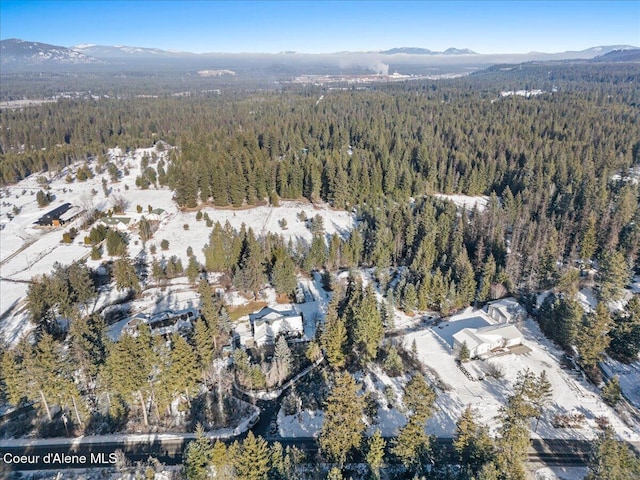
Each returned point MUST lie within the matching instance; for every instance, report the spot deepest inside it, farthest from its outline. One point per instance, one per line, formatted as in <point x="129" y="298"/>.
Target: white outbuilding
<point x="507" y="310"/>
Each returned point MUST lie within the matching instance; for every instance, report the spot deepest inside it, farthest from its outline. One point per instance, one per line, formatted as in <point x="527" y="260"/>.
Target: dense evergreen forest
<point x="547" y="161"/>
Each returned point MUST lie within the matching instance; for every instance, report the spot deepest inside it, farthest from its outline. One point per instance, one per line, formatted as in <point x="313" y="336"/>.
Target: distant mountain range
<point x="18" y="51"/>
<point x="426" y="51"/>
<point x="18" y="54"/>
<point x="107" y="52"/>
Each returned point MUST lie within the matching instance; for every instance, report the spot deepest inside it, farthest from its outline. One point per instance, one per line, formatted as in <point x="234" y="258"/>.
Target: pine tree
<point x="49" y="381"/>
<point x="204" y="343"/>
<point x="253" y="461"/>
<point x="463" y="353"/>
<point x="80" y="282"/>
<point x="210" y="313"/>
<point x="218" y="255"/>
<point x="465" y="278"/>
<point x="412" y="444"/>
<point x="193" y="269"/>
<point x="393" y="363"/>
<point x="419" y="398"/>
<point x="182" y="374"/>
<point x="612" y="459"/>
<point x="343" y="426"/>
<point x="125" y="371"/>
<point x="513" y="441"/>
<point x="589" y="243"/>
<point x="335" y="474"/>
<point x="592" y="339"/>
<point x="409" y="298"/>
<point x="144" y="230"/>
<point x="115" y="243"/>
<point x="197" y="456"/>
<point x="87" y="347"/>
<point x="375" y="453"/>
<point x="613" y="275"/>
<point x="625" y="333"/>
<point x="612" y="392"/>
<point x="317" y="254"/>
<point x="488" y="272"/>
<point x="221" y="461"/>
<point x="282" y="359"/>
<point x="368" y="329"/>
<point x="334" y="337"/>
<point x="249" y="274"/>
<point x="283" y="274"/>
<point x="472" y="442"/>
<point x="559" y="319"/>
<point x="13" y="376"/>
<point x="124" y="274"/>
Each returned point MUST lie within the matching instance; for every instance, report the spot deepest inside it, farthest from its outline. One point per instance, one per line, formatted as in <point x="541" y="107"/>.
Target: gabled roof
<point x="467" y="335"/>
<point x="508" y="331"/>
<point x="268" y="313"/>
<point x="477" y="336"/>
<point x="505" y="302"/>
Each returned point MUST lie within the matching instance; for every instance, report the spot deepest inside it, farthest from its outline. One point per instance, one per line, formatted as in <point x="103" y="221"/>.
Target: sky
<point x="325" y="26"/>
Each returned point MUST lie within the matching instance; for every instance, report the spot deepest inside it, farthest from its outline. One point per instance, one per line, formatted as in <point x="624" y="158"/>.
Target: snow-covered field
<point x="27" y="251"/>
<point x="571" y="393"/>
<point x="465" y="201"/>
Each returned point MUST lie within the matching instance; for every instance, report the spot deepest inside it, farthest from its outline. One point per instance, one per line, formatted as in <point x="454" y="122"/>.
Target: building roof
<point x="54" y="214"/>
<point x="268" y="313"/>
<point x="70" y="214"/>
<point x="477" y="336"/>
<point x="468" y="336"/>
<point x="505" y="302"/>
<point x="507" y="331"/>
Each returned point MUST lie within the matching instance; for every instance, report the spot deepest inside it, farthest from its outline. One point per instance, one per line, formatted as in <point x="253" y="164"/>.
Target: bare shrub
<point x="494" y="371"/>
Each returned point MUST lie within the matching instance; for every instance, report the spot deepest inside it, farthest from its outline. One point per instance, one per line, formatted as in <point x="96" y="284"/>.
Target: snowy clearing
<point x="29" y="250"/>
<point x="571" y="393"/>
<point x="465" y="201"/>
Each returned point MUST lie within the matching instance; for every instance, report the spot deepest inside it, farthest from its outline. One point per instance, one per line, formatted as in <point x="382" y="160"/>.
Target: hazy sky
<point x="325" y="26"/>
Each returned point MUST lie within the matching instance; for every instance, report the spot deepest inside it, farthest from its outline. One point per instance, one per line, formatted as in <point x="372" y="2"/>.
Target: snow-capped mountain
<point x="121" y="51"/>
<point x="459" y="51"/>
<point x="14" y="50"/>
<point x="426" y="51"/>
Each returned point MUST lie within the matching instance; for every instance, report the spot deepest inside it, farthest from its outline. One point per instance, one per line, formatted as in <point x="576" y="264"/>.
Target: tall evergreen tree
<point x="197" y="456"/>
<point x="375" y="453"/>
<point x="253" y="460"/>
<point x="612" y="459"/>
<point x="613" y="275"/>
<point x="592" y="339"/>
<point x="334" y="337"/>
<point x="343" y="427"/>
<point x="283" y="274"/>
<point x="472" y="442"/>
<point x="368" y="329"/>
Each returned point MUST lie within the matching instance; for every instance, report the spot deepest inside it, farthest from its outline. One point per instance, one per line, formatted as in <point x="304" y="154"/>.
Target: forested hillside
<point x="548" y="160"/>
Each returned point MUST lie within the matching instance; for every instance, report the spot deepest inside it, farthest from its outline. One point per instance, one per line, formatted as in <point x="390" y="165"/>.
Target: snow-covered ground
<point x="27" y="251"/>
<point x="559" y="473"/>
<point x="465" y="201"/>
<point x="308" y="423"/>
<point x="629" y="376"/>
<point x="571" y="393"/>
